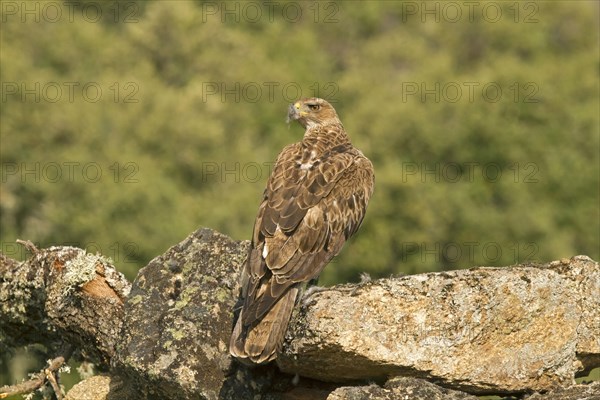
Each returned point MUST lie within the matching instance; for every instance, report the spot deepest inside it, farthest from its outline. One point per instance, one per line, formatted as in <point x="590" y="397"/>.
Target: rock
<point x="399" y="388"/>
<point x="178" y="321"/>
<point x="584" y="276"/>
<point x="101" y="387"/>
<point x="62" y="294"/>
<point x="575" y="392"/>
<point x="22" y="297"/>
<point x="85" y="301"/>
<point x="483" y="330"/>
<point x="511" y="330"/>
<point x="93" y="388"/>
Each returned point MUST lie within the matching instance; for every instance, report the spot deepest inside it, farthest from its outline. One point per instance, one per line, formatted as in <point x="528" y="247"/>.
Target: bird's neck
<point x="326" y="136"/>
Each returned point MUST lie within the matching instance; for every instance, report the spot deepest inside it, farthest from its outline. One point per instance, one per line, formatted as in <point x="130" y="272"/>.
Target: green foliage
<point x="464" y="176"/>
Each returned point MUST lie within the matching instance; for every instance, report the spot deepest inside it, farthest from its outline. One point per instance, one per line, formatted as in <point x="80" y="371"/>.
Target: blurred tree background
<point x="125" y="126"/>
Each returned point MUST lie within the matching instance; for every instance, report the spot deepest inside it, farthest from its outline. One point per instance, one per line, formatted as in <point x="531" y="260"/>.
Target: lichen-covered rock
<point x="101" y="387"/>
<point x="93" y="388"/>
<point x="399" y="388"/>
<point x="179" y="317"/>
<point x="518" y="329"/>
<point x="585" y="278"/>
<point x="61" y="295"/>
<point x="22" y="297"/>
<point x="85" y="300"/>
<point x="483" y="330"/>
<point x="590" y="391"/>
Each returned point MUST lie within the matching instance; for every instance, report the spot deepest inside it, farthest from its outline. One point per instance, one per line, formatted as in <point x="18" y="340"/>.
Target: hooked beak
<point x="294" y="112"/>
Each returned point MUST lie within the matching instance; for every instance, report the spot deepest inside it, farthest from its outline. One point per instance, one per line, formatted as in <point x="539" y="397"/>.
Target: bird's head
<point x="312" y="112"/>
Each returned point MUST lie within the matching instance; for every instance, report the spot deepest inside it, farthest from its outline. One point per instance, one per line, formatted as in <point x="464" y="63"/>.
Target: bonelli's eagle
<point x="315" y="199"/>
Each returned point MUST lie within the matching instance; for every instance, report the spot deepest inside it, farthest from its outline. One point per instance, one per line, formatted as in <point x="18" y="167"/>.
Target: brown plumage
<point x="315" y="199"/>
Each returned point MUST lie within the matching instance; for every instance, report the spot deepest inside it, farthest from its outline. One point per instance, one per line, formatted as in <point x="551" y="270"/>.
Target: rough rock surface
<point x="62" y="294"/>
<point x="483" y="330"/>
<point x="179" y="318"/>
<point x="575" y="392"/>
<point x="22" y="297"/>
<point x="399" y="388"/>
<point x="101" y="387"/>
<point x="506" y="330"/>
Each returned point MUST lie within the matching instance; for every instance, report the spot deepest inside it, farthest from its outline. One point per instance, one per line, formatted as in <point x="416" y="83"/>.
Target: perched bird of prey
<point x="316" y="198"/>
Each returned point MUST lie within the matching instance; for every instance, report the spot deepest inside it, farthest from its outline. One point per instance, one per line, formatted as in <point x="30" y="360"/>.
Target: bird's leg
<point x="306" y="298"/>
<point x="307" y="295"/>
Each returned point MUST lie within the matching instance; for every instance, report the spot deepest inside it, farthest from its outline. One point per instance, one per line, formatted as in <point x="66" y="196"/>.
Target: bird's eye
<point x="314" y="107"/>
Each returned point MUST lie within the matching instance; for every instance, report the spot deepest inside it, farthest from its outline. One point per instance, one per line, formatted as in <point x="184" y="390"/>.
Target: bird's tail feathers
<point x="260" y="342"/>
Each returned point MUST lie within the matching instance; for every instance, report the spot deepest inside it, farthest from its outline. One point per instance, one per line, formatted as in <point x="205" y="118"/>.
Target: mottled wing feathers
<point x="310" y="207"/>
<point x="299" y="181"/>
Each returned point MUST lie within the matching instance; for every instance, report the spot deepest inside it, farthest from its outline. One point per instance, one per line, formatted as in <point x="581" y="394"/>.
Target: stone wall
<point x="516" y="330"/>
